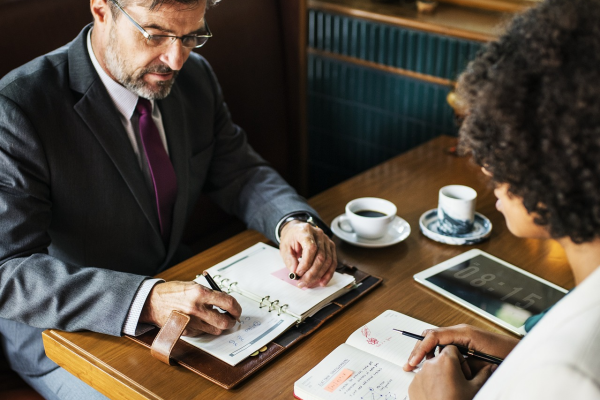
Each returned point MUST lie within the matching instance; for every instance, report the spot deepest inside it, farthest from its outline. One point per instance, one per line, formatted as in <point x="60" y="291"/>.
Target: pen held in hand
<point x="463" y="350"/>
<point x="215" y="287"/>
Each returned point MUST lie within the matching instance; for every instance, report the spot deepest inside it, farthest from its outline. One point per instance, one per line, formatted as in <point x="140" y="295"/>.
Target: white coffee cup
<point x="368" y="217"/>
<point x="456" y="209"/>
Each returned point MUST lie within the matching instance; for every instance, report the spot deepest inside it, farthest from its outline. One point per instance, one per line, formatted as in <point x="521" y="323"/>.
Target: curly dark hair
<point x="533" y="114"/>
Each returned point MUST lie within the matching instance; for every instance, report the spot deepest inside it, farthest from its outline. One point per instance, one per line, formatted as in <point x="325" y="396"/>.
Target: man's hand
<point x="447" y="377"/>
<point x="318" y="259"/>
<point x="194" y="300"/>
<point x="465" y="335"/>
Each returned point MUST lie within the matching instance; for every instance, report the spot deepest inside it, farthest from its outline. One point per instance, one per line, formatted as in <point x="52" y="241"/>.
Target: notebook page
<point x="378" y="337"/>
<point x="348" y="373"/>
<point x="252" y="269"/>
<point x="257" y="328"/>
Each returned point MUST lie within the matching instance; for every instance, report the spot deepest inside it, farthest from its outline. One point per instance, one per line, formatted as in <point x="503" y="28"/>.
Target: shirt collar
<point x="124" y="100"/>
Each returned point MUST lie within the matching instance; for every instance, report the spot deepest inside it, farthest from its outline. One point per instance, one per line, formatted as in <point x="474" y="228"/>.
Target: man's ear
<point x="100" y="11"/>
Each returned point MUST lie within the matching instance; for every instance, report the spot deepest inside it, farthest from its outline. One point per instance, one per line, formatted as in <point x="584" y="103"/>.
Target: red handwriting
<point x="365" y="331"/>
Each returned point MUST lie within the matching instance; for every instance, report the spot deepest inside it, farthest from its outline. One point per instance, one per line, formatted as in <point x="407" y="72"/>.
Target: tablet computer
<point x="492" y="288"/>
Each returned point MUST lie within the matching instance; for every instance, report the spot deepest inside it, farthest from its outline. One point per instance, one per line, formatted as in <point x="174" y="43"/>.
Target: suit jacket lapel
<point x="179" y="152"/>
<point x="101" y="116"/>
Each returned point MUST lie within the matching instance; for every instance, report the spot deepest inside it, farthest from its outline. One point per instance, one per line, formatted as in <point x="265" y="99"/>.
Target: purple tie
<point x="161" y="169"/>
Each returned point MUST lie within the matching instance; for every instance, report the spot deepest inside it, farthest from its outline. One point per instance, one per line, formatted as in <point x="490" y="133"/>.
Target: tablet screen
<point x="497" y="289"/>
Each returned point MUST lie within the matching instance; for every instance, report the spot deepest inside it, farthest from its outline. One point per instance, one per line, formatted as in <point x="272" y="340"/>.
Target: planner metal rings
<point x="273" y="305"/>
<point x="282" y="309"/>
<point x="263" y="299"/>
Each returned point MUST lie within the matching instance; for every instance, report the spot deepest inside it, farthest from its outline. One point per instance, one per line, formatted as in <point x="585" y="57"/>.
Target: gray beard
<point x="135" y="83"/>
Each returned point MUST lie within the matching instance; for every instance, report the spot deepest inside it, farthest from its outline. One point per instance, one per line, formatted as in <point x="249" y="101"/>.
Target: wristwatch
<point x="304" y="217"/>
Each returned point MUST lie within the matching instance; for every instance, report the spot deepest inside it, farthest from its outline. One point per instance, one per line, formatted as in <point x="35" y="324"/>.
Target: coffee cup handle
<point x="344" y="224"/>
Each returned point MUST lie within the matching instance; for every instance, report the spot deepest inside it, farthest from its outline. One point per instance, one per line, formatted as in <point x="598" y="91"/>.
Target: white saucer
<point x="429" y="224"/>
<point x="398" y="230"/>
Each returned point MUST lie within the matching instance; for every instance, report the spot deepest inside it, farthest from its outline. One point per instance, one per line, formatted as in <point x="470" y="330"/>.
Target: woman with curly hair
<point x="533" y="124"/>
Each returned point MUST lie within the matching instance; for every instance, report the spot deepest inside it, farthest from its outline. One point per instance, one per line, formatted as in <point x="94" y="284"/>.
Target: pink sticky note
<point x="338" y="380"/>
<point x="284" y="275"/>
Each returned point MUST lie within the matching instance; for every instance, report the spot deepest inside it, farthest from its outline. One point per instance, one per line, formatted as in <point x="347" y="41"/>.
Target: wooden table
<point x="121" y="368"/>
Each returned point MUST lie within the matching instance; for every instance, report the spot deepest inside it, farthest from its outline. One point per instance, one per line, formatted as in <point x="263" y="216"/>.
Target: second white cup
<point x="369" y="217"/>
<point x="456" y="209"/>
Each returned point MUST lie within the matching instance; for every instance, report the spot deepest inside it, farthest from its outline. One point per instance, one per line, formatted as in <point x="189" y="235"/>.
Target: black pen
<point x="465" y="351"/>
<point x="215" y="287"/>
<point x="211" y="282"/>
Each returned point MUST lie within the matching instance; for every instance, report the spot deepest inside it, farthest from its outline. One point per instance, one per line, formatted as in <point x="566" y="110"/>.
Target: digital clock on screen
<point x="492" y="287"/>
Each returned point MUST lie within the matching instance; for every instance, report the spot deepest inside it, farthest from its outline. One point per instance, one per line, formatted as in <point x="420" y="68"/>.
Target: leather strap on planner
<point x="168" y="335"/>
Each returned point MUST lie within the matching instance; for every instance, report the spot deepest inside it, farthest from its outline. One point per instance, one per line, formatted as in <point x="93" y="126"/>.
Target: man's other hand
<point x="194" y="300"/>
<point x="309" y="253"/>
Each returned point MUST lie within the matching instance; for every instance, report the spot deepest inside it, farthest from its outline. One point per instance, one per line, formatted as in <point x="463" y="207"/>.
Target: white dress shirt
<point x="126" y="101"/>
<point x="560" y="357"/>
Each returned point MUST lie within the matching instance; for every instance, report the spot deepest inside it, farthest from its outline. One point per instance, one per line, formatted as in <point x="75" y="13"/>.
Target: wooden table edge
<point x="90" y="369"/>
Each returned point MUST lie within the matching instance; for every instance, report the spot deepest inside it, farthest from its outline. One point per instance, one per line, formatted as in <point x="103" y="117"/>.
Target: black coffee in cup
<point x="370" y="213"/>
<point x="365" y="221"/>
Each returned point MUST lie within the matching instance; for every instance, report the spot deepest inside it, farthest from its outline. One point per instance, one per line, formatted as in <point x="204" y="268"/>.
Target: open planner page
<point x="349" y="373"/>
<point x="378" y="337"/>
<point x="257" y="328"/>
<point x="260" y="270"/>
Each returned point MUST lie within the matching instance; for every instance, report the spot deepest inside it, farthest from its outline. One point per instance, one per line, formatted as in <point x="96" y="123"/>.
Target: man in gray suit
<point x="105" y="146"/>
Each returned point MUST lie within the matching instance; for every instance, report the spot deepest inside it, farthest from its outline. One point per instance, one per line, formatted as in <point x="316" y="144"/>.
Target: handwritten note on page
<point x="378" y="337"/>
<point x="349" y="373"/>
<point x="257" y="328"/>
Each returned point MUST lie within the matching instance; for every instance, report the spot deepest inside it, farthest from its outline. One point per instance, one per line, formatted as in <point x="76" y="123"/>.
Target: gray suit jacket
<point x="78" y="227"/>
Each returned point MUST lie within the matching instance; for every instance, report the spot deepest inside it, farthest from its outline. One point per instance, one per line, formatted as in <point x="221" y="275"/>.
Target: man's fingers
<point x="290" y="260"/>
<point x="196" y="301"/>
<point x="332" y="266"/>
<point x="196" y="327"/>
<point x="226" y="303"/>
<point x="329" y="274"/>
<point x="324" y="263"/>
<point x="205" y="313"/>
<point x="318" y="266"/>
<point x="310" y="247"/>
<point x="317" y="254"/>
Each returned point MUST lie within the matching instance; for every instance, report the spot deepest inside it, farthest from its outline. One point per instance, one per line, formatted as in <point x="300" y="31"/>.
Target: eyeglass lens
<point x="186" y="41"/>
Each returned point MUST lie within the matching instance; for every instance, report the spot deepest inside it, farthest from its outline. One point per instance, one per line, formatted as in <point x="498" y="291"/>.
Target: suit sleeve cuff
<point x="132" y="327"/>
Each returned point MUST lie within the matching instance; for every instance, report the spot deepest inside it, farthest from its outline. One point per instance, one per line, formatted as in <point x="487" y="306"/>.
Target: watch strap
<point x="304" y="217"/>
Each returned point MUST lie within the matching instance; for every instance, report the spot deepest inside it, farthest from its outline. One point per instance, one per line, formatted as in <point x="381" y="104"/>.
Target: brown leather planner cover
<point x="228" y="376"/>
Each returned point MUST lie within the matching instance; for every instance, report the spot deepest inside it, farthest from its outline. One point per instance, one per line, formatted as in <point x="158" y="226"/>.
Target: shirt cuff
<point x="132" y="327"/>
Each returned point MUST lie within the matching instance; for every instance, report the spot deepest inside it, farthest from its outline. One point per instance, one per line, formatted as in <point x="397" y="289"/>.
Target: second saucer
<point x="429" y="224"/>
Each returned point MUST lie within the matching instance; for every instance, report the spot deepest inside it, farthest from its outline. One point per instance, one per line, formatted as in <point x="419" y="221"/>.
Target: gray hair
<point x="154" y="4"/>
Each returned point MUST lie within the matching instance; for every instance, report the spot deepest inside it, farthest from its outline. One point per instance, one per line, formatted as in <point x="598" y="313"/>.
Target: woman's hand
<point x="448" y="377"/>
<point x="465" y="335"/>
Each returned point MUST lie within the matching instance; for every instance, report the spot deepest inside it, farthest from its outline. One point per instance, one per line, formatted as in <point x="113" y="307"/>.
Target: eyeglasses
<point x="189" y="41"/>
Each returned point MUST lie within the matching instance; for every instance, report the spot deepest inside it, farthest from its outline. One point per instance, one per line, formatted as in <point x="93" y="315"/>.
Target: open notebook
<point x="368" y="365"/>
<point x="271" y="302"/>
